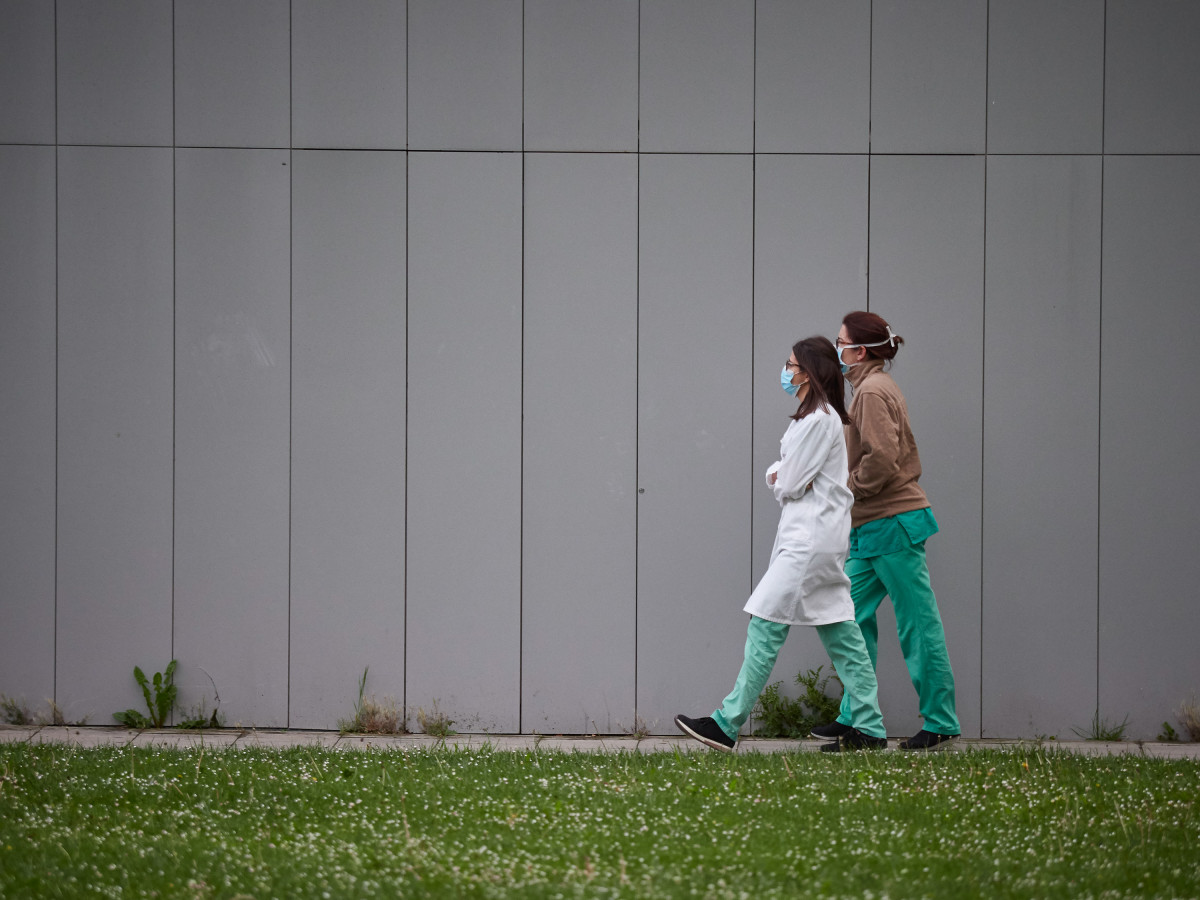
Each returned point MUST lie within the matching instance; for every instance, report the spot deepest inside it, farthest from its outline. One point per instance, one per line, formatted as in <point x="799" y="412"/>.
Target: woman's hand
<point x="771" y="478"/>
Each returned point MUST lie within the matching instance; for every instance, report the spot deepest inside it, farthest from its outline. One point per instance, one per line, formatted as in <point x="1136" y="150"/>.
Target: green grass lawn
<point x="256" y="823"/>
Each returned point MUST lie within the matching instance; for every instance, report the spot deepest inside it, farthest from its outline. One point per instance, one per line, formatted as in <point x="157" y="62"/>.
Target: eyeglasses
<point x="791" y="365"/>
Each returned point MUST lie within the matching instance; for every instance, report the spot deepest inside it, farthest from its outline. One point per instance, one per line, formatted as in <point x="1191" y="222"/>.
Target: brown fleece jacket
<point x="881" y="451"/>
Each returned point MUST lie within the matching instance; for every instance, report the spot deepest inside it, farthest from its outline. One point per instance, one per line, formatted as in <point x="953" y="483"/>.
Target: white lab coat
<point x="806" y="583"/>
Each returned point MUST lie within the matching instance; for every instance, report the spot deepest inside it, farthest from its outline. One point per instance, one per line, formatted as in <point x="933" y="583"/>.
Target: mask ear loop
<point x="891" y="341"/>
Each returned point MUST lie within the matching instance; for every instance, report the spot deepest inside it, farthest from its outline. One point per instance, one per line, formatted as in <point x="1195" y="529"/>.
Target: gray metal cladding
<point x="441" y="339"/>
<point x="348" y="378"/>
<point x="694" y="402"/>
<point x="115" y="421"/>
<point x="27" y="409"/>
<point x="114" y="72"/>
<point x="1149" y="407"/>
<point x="579" y="505"/>
<point x="1041" y="430"/>
<point x="464" y="438"/>
<point x="232" y="437"/>
<point x="27" y="78"/>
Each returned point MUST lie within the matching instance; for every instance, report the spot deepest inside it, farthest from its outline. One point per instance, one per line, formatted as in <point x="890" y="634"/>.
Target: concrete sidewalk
<point x="94" y="736"/>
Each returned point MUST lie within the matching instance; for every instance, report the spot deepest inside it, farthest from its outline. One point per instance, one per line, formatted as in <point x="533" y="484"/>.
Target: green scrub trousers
<point x="843" y="642"/>
<point x="887" y="559"/>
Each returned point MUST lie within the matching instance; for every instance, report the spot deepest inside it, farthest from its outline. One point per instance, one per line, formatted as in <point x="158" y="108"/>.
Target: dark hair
<point x="869" y="328"/>
<point x="818" y="360"/>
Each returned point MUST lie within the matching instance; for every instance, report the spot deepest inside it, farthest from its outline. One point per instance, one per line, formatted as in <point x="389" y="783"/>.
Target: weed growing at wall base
<point x="1189" y="718"/>
<point x="433" y="721"/>
<point x="1103" y="730"/>
<point x="159" y="704"/>
<point x="373" y="717"/>
<point x="778" y="716"/>
<point x="14" y="711"/>
<point x="141" y="822"/>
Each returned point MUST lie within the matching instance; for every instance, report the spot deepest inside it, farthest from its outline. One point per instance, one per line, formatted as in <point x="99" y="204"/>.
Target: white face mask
<point x="846" y="367"/>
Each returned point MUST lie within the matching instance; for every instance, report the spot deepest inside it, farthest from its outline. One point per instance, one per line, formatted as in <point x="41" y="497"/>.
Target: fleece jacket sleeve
<point x="879" y="434"/>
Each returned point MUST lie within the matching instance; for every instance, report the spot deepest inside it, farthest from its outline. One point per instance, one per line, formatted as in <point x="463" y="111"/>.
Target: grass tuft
<point x="1102" y="729"/>
<point x="779" y="716"/>
<point x="1189" y="718"/>
<point x="433" y="721"/>
<point x="372" y="716"/>
<point x="14" y="712"/>
<point x="639" y="730"/>
<point x="54" y="716"/>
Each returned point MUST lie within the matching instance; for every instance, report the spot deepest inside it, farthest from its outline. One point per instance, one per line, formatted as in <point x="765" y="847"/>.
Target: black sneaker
<point x="927" y="740"/>
<point x="855" y="740"/>
<point x="830" y="732"/>
<point x="706" y="731"/>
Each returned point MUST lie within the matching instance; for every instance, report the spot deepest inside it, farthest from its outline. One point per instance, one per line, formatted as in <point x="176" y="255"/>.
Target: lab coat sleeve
<point x="807" y="452"/>
<point x="771" y="471"/>
<point x="879" y="433"/>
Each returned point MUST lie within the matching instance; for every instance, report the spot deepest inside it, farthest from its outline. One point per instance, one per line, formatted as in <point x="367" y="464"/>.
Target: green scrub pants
<point x="843" y="642"/>
<point x="904" y="576"/>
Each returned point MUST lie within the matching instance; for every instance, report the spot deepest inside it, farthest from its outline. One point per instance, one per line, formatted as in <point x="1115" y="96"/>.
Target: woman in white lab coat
<point x="806" y="583"/>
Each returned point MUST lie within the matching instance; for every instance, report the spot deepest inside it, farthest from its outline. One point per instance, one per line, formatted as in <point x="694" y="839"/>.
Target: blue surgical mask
<point x="785" y="381"/>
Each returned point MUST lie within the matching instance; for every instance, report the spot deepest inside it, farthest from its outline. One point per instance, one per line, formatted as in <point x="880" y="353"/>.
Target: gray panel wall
<point x="27" y="78"/>
<point x="349" y="74"/>
<point x="348" y="389"/>
<point x="581" y="74"/>
<point x="1045" y="76"/>
<point x="464" y="446"/>
<point x="927" y="281"/>
<point x="114" y="72"/>
<point x="335" y="515"/>
<point x="1151" y="77"/>
<point x="928" y="76"/>
<point x="232" y="80"/>
<point x="580" y="443"/>
<point x="697" y="76"/>
<point x="1148" y="515"/>
<point x="232" y="351"/>
<point x="114" y="424"/>
<point x="27" y="423"/>
<point x="694" y="446"/>
<point x="810" y="267"/>
<point x="1041" y="431"/>
<point x="464" y="74"/>
<point x="812" y="76"/>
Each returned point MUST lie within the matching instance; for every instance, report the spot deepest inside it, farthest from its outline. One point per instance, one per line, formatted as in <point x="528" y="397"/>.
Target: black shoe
<point x="927" y="740"/>
<point x="706" y="731"/>
<point x="830" y="732"/>
<point x="855" y="740"/>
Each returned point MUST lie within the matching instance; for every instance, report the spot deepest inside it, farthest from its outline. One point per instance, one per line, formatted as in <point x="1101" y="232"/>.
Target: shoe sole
<point x="940" y="745"/>
<point x="709" y="742"/>
<point x="836" y="747"/>
<point x="823" y="737"/>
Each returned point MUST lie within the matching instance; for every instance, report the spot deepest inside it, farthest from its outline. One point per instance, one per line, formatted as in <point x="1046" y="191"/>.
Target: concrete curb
<point x="99" y="736"/>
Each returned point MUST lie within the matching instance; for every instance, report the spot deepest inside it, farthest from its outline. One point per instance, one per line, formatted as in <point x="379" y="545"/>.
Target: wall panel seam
<point x="1100" y="340"/>
<point x="54" y="684"/>
<point x="174" y="324"/>
<point x="637" y="364"/>
<point x="407" y="357"/>
<point x="521" y="448"/>
<point x="291" y="353"/>
<point x="983" y="352"/>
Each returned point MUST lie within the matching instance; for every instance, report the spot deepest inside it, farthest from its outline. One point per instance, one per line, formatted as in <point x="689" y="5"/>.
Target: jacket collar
<point x="858" y="374"/>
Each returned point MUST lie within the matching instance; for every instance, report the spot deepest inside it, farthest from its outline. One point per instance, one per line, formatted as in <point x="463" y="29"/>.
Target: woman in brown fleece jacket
<point x="890" y="522"/>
